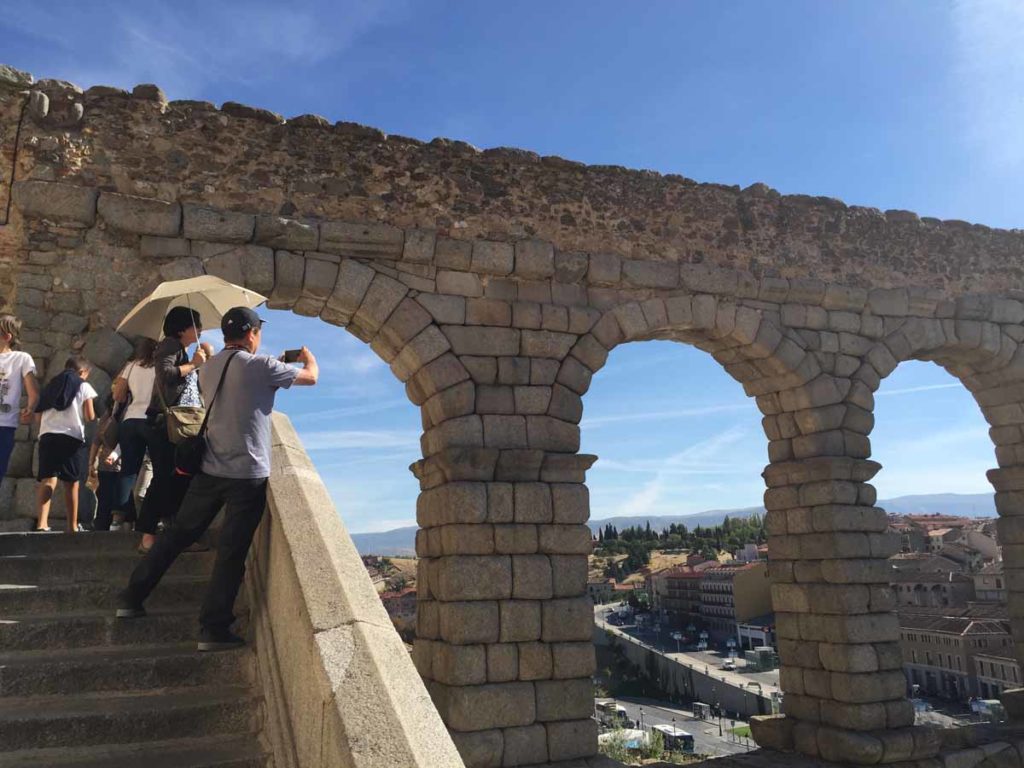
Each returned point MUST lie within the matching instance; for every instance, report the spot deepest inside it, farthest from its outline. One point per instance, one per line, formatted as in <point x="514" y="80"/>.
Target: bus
<point x="611" y="714"/>
<point x="676" y="739"/>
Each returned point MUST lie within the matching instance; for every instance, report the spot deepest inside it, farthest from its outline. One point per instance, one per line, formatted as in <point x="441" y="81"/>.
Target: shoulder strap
<point x="209" y="408"/>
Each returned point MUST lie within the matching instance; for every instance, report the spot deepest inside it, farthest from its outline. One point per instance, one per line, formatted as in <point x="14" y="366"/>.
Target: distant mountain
<point x="401" y="542"/>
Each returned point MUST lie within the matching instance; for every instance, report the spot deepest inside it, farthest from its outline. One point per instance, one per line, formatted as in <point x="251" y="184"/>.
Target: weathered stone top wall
<point x="239" y="158"/>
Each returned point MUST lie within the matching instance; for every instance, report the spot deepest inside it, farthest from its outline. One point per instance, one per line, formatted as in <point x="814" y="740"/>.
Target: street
<point x="702" y="660"/>
<point x="705" y="733"/>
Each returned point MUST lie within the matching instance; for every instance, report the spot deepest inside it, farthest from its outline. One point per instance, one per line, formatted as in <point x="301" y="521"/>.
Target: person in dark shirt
<point x="182" y="328"/>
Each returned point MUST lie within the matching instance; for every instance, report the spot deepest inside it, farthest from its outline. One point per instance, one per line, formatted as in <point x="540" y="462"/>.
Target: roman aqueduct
<point x="495" y="283"/>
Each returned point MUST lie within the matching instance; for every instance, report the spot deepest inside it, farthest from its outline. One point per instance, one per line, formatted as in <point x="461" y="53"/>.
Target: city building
<point x="939" y="649"/>
<point x="601" y="591"/>
<point x="995" y="673"/>
<point x="989" y="586"/>
<point x="756" y="632"/>
<point x="932" y="589"/>
<point x="730" y="594"/>
<point x="682" y="594"/>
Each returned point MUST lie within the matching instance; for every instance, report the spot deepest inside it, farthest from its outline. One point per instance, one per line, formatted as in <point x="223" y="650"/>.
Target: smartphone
<point x="291" y="355"/>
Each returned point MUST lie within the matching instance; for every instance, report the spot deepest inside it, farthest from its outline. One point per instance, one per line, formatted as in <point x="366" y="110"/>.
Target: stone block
<point x="459" y="502"/>
<point x="217" y="226"/>
<point x="772" y="732"/>
<point x="480" y="707"/>
<point x="650" y="274"/>
<point x="453" y="254"/>
<point x="532" y="400"/>
<point x="515" y="540"/>
<point x="482" y="340"/>
<point x="362" y="240"/>
<point x="466" y="539"/>
<point x="380" y="301"/>
<point x="466" y="623"/>
<point x="166" y="248"/>
<point x="527" y="745"/>
<point x="533" y="503"/>
<point x="564" y="699"/>
<point x="317" y="284"/>
<point x="567" y="619"/>
<point x="56" y="201"/>
<point x="453" y="402"/>
<point x="868" y="687"/>
<point x="531" y="577"/>
<point x="534" y="259"/>
<point x="547" y="344"/>
<point x="569" y="575"/>
<point x="288" y="234"/>
<point x="428" y="345"/>
<point x="574" y="375"/>
<point x="492" y="258"/>
<point x="571" y="739"/>
<point x="480" y="749"/>
<point x="573" y="660"/>
<point x="504" y="431"/>
<point x="419" y="246"/>
<point x="289" y="269"/>
<point x="535" y="661"/>
<point x="551" y="434"/>
<point x="520" y="620"/>
<point x="570" y="503"/>
<point x="556" y="318"/>
<point x="526" y="314"/>
<point x="502" y="662"/>
<point x="437" y="375"/>
<point x="605" y="268"/>
<point x="856" y="717"/>
<point x="460" y="664"/>
<point x="405" y="323"/>
<point x="491" y="312"/>
<point x="841" y="745"/>
<point x="565" y="539"/>
<point x="107" y="349"/>
<point x="471" y="577"/>
<point x="459" y="283"/>
<point x="446" y="310"/>
<point x="140" y="215"/>
<point x="519" y="465"/>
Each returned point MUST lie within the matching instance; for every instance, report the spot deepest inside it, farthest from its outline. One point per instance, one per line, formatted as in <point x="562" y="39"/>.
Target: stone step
<point x="100" y="566"/>
<point x="94" y="719"/>
<point x="67" y="543"/>
<point x="25" y="599"/>
<point x="126" y="668"/>
<point x="243" y="751"/>
<point x="99" y="628"/>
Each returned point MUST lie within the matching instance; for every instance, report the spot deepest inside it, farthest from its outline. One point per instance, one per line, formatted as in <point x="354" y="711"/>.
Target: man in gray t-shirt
<point x="239" y="388"/>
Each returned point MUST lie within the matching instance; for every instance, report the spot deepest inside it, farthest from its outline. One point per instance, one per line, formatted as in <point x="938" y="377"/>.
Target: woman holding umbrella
<point x="182" y="327"/>
<point x="175" y="307"/>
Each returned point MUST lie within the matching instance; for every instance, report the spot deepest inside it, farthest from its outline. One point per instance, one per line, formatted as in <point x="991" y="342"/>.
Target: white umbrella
<point x="208" y="296"/>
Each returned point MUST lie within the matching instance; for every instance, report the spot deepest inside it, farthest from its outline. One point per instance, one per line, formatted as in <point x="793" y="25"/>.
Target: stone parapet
<point x="340" y="687"/>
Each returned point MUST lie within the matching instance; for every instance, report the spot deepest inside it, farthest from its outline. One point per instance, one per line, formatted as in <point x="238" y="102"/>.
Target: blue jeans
<point x="131" y="437"/>
<point x="6" y="449"/>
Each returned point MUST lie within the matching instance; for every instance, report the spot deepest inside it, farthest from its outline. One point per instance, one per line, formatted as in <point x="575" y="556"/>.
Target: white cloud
<point x="922" y="388"/>
<point x="343" y="439"/>
<point x="364" y="409"/>
<point x="989" y="56"/>
<point x="680" y="413"/>
<point x="186" y="46"/>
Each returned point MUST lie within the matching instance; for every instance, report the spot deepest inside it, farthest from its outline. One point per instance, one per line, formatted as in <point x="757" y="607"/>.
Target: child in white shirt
<point x="65" y="405"/>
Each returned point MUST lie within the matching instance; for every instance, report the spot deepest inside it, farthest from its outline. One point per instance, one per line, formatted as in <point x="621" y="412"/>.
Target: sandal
<point x="42" y="530"/>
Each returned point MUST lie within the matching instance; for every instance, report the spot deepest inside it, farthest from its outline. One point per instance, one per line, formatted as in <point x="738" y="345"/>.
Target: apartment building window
<point x="958" y="669"/>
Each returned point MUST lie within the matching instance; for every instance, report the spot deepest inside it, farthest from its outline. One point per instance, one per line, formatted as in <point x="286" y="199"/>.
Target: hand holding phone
<point x="291" y="356"/>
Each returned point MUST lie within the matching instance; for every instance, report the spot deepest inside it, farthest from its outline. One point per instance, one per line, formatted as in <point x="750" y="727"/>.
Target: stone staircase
<point x="81" y="688"/>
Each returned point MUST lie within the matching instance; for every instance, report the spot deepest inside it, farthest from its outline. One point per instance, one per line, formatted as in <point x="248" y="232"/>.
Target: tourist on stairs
<point x="65" y="404"/>
<point x="17" y="374"/>
<point x="182" y="327"/>
<point x="239" y="387"/>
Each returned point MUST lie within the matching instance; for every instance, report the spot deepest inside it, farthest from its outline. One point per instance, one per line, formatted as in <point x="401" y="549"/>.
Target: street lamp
<point x="641" y="718"/>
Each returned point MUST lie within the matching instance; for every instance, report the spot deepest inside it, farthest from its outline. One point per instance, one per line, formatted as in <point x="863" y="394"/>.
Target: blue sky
<point x="915" y="105"/>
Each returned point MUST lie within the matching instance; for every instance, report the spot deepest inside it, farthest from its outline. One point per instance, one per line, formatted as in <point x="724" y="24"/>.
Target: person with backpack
<point x="17" y="375"/>
<point x="233" y="469"/>
<point x="64" y="408"/>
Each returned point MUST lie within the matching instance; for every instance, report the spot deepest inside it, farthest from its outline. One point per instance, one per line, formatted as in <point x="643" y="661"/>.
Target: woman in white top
<point x="134" y="386"/>
<point x="65" y="405"/>
<point x="17" y="375"/>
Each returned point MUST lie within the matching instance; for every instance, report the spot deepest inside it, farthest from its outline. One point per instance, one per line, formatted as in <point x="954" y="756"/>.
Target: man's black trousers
<point x="243" y="502"/>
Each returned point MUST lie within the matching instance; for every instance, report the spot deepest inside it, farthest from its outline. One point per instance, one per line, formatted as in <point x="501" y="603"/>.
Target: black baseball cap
<point x="239" y="320"/>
